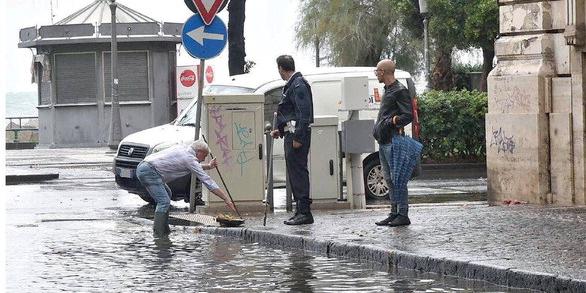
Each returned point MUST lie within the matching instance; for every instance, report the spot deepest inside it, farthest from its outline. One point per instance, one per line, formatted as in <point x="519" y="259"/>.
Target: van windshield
<point x="189" y="118"/>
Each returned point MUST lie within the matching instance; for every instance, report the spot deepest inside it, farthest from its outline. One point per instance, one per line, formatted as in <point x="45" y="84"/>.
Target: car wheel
<point x="374" y="183"/>
<point x="146" y="197"/>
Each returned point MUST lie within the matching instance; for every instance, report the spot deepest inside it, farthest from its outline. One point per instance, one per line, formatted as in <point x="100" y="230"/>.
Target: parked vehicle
<point x="326" y="87"/>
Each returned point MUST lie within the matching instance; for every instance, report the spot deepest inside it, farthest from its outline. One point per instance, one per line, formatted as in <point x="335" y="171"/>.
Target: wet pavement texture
<point x="536" y="239"/>
<point x="84" y="210"/>
<point x="82" y="234"/>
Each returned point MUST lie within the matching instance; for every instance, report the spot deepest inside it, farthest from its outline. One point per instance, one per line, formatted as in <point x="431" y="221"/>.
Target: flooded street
<point x="82" y="234"/>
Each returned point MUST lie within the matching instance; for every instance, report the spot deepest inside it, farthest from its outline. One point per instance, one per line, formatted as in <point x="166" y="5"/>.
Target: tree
<point x="357" y="33"/>
<point x="236" y="45"/>
<point x="481" y="30"/>
<point x="461" y="24"/>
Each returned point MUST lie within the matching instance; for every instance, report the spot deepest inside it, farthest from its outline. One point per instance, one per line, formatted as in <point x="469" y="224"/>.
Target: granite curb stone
<point x="388" y="259"/>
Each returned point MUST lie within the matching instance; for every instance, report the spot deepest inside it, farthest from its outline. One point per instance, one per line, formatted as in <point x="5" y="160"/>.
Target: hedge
<point x="452" y="126"/>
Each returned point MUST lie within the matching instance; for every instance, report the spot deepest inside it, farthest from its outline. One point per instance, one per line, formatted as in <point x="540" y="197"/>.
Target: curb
<point x="30" y="178"/>
<point x="387" y="259"/>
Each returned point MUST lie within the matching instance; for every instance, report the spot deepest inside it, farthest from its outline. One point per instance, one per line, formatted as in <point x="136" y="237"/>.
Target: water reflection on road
<point x="68" y="238"/>
<point x="121" y="256"/>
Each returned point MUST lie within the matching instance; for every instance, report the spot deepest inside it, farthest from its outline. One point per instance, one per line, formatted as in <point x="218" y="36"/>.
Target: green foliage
<point x="481" y="27"/>
<point x="359" y="32"/>
<point x="460" y="68"/>
<point x="452" y="125"/>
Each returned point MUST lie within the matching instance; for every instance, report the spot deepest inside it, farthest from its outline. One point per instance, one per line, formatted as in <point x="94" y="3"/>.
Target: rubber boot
<point x="167" y="228"/>
<point x="161" y="224"/>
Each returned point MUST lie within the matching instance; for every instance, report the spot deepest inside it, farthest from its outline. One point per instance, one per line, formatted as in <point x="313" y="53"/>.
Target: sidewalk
<point x="524" y="246"/>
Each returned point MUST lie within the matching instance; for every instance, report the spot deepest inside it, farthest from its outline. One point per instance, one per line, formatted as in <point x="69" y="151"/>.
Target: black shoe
<point x="400" y="220"/>
<point x="300" y="219"/>
<point x="386" y="221"/>
<point x="294" y="215"/>
<point x="199" y="202"/>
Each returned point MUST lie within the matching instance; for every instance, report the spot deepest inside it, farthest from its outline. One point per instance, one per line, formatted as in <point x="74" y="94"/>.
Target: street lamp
<point x="425" y="13"/>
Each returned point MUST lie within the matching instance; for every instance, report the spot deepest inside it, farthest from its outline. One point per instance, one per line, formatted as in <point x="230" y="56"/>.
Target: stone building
<point x="71" y="66"/>
<point x="535" y="135"/>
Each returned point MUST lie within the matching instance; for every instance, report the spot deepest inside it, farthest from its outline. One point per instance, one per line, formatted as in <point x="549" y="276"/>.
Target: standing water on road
<point x="94" y="255"/>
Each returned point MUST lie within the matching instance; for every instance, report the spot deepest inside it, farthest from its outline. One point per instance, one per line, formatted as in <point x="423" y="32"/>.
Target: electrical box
<point x="233" y="126"/>
<point x="324" y="159"/>
<point x="355" y="95"/>
<point x="357" y="136"/>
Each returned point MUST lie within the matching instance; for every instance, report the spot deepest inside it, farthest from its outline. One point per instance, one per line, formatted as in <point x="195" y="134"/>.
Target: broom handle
<point x="222" y="178"/>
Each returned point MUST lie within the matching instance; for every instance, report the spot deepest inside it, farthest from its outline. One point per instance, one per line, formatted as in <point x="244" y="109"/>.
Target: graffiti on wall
<point x="221" y="136"/>
<point x="514" y="99"/>
<point x="503" y="142"/>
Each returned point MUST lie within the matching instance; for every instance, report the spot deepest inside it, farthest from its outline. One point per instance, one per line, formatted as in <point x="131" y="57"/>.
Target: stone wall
<point x="535" y="120"/>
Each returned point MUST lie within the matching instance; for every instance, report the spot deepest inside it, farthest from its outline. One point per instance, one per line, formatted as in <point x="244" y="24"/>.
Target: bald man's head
<point x="385" y="71"/>
<point x="387" y="65"/>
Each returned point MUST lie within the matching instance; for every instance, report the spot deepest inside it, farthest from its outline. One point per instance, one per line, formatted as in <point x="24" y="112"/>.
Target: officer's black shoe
<point x="300" y="219"/>
<point x="400" y="220"/>
<point x="294" y="215"/>
<point x="386" y="221"/>
<point x="199" y="202"/>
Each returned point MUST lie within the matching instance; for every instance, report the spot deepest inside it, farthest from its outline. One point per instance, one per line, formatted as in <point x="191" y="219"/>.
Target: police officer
<point x="294" y="115"/>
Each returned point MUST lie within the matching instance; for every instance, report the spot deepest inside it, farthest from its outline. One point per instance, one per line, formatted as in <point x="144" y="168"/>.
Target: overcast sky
<point x="269" y="32"/>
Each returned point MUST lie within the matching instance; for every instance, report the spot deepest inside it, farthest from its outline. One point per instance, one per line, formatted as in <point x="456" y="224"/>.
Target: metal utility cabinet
<point x="233" y="126"/>
<point x="324" y="164"/>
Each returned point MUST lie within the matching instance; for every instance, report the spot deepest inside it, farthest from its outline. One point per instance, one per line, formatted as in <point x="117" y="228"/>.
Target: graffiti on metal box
<point x="244" y="134"/>
<point x="221" y="137"/>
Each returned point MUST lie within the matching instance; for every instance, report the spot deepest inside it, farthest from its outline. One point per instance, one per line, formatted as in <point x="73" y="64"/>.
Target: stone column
<point x="575" y="37"/>
<point x="519" y="116"/>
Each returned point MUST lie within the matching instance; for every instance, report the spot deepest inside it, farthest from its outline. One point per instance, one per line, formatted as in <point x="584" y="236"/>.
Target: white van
<point x="326" y="86"/>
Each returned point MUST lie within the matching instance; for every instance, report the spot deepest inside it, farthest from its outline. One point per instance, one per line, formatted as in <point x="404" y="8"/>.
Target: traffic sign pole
<point x="200" y="73"/>
<point x="203" y="36"/>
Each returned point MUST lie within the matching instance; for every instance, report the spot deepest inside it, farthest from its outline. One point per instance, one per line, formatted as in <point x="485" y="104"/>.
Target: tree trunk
<point x="487" y="56"/>
<point x="236" y="49"/>
<point x="442" y="77"/>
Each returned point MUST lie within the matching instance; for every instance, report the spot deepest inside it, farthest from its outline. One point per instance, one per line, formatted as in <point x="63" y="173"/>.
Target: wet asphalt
<point x="547" y="242"/>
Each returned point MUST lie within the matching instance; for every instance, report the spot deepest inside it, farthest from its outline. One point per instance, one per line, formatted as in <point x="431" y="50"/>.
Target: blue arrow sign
<point x="204" y="41"/>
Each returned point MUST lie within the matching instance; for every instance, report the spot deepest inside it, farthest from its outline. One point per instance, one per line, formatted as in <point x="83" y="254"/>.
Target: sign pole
<point x="200" y="73"/>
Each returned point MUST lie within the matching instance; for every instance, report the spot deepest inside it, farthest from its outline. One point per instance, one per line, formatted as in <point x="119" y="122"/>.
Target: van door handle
<point x="260" y="151"/>
<point x="331" y="167"/>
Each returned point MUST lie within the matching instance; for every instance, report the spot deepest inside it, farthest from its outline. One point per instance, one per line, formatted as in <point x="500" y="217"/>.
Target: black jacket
<point x="396" y="102"/>
<point x="296" y="104"/>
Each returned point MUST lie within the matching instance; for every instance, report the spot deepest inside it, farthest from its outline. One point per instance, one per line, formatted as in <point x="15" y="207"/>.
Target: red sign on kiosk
<point x="208" y="9"/>
<point x="187" y="78"/>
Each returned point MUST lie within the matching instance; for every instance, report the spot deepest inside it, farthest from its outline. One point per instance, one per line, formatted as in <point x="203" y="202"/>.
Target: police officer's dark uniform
<point x="294" y="116"/>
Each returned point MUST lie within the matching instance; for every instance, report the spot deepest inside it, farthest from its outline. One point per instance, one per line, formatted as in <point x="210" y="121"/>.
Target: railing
<point x="16" y="128"/>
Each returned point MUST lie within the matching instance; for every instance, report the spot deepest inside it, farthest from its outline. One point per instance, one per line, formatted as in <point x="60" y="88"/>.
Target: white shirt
<point x="178" y="161"/>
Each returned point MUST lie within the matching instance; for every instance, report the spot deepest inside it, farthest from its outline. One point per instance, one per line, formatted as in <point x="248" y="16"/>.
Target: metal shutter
<point x="75" y="78"/>
<point x="132" y="76"/>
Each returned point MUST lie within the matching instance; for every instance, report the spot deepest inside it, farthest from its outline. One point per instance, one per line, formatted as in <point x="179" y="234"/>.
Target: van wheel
<point x="146" y="197"/>
<point x="374" y="183"/>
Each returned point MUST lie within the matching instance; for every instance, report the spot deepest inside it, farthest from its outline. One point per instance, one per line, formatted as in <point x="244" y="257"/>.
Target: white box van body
<point x="326" y="86"/>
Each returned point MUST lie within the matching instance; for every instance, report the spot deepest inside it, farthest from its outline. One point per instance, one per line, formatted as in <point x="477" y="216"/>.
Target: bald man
<point x="398" y="154"/>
